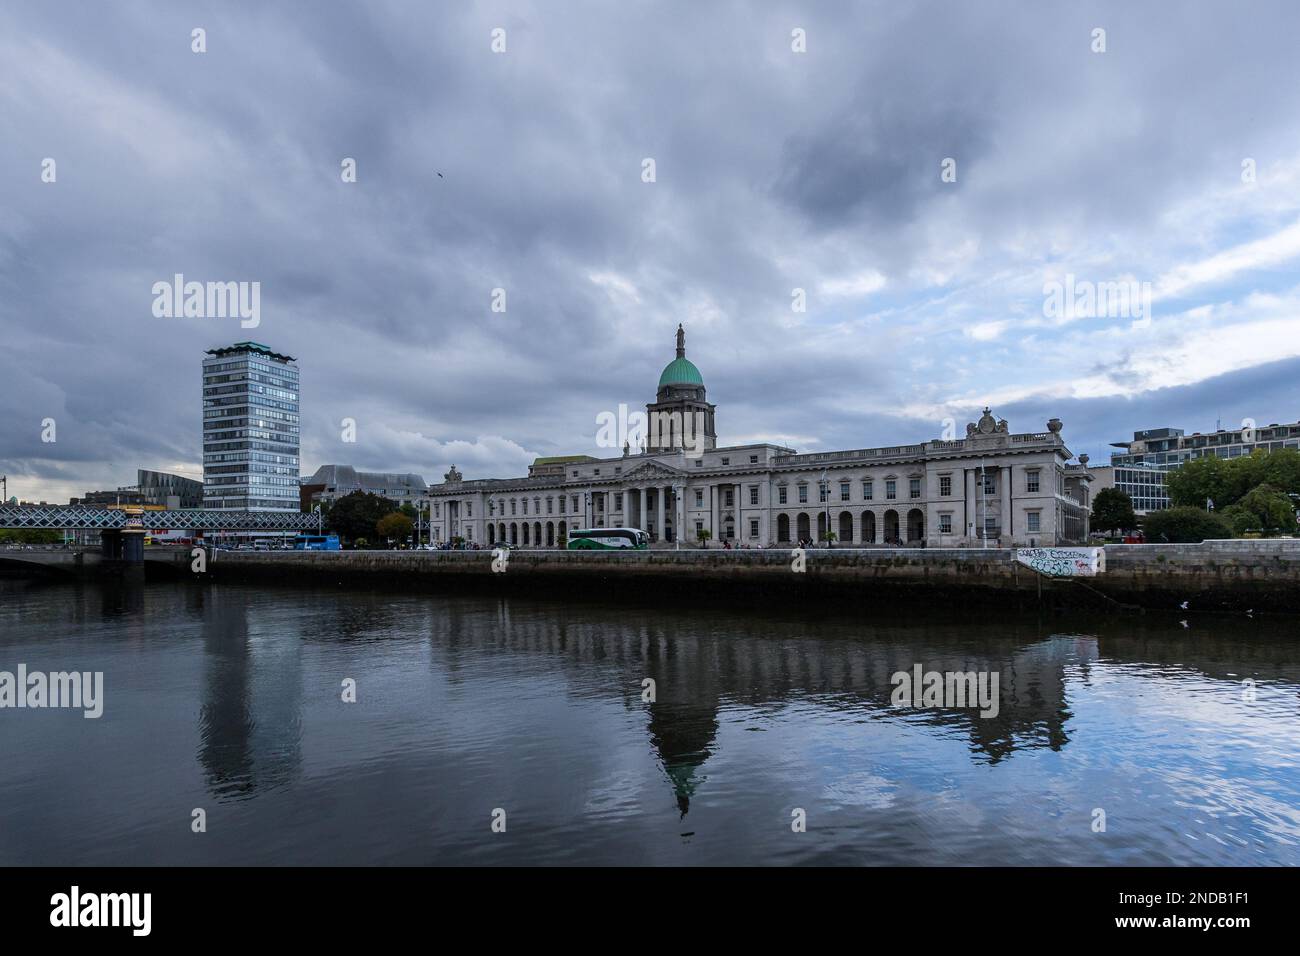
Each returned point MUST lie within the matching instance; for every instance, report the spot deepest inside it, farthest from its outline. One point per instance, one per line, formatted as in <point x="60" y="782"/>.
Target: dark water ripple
<point x="228" y="700"/>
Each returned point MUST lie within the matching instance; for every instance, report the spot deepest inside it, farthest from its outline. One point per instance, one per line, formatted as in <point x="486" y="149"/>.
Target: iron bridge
<point x="127" y="518"/>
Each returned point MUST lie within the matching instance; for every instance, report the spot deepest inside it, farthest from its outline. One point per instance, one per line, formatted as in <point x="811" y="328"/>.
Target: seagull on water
<point x="1183" y="605"/>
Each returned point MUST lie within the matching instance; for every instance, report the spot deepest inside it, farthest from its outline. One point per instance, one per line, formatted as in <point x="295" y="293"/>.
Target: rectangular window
<point x="618" y="502"/>
<point x="575" y="504"/>
<point x="821" y="491"/>
<point x="1031" y="481"/>
<point x="726" y="461"/>
<point x="914" y="487"/>
<point x="731" y="498"/>
<point x="561" y="504"/>
<point x="514" y="506"/>
<point x="1033" y="521"/>
<point x="753" y="459"/>
<point x="945" y="486"/>
<point x="891" y="489"/>
<point x="990" y="484"/>
<point x="866" y="491"/>
<point x="781" y="495"/>
<point x="753" y="494"/>
<point x="469" y="509"/>
<point x="525" y="506"/>
<point x="844" y="491"/>
<point x="945" y="524"/>
<point x="753" y="527"/>
<point x="699" y="497"/>
<point x="803" y="494"/>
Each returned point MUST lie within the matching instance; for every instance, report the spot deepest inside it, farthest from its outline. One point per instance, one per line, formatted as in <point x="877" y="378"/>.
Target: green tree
<point x="1263" y="509"/>
<point x="704" y="535"/>
<point x="1281" y="469"/>
<point x="394" y="525"/>
<point x="1226" y="481"/>
<point x="355" y="516"/>
<point x="1112" y="510"/>
<point x="30" y="536"/>
<point x="1198" y="480"/>
<point x="1184" y="524"/>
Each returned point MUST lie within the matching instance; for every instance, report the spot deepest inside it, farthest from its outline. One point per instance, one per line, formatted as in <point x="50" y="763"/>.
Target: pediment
<point x="651" y="470"/>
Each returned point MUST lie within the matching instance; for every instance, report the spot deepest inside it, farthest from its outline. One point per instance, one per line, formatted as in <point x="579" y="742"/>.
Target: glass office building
<point x="1141" y="469"/>
<point x="250" y="429"/>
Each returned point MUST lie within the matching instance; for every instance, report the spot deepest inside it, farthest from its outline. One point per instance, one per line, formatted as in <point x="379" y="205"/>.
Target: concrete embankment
<point x="1214" y="576"/>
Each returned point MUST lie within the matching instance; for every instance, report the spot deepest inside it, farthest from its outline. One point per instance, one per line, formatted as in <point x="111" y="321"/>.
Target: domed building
<point x="990" y="488"/>
<point x="680" y="405"/>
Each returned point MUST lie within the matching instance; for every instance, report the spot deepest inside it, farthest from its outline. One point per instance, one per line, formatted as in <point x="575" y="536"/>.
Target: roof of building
<point x="346" y="478"/>
<point x="561" y="459"/>
<point x="257" y="347"/>
<point x="680" y="371"/>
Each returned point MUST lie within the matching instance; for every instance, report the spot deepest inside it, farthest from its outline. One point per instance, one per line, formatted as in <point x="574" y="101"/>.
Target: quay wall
<point x="1225" y="576"/>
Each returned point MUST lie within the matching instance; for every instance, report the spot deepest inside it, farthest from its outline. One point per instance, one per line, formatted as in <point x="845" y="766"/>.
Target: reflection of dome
<point x="683" y="735"/>
<point x="680" y="371"/>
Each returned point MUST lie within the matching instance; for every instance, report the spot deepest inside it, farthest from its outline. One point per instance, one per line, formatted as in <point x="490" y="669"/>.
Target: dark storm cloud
<point x="775" y="171"/>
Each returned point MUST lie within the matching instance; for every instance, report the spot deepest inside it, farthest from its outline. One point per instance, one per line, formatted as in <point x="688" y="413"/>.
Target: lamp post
<point x="984" y="500"/>
<point x="678" y="518"/>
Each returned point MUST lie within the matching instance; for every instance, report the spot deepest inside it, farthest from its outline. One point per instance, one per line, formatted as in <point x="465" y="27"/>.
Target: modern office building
<point x="250" y="429"/>
<point x="156" y="488"/>
<point x="990" y="488"/>
<point x="1140" y="469"/>
<point x="331" y="482"/>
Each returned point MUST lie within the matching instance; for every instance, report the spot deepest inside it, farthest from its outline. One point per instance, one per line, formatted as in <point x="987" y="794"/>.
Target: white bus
<point x="608" y="539"/>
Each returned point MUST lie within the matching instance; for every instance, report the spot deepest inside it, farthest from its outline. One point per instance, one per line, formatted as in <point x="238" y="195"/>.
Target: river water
<point x="1132" y="741"/>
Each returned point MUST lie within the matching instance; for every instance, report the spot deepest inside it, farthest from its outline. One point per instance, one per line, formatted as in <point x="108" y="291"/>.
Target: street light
<point x="678" y="518"/>
<point x="984" y="500"/>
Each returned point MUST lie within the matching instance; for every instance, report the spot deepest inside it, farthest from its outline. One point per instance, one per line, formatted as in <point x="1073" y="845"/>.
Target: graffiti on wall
<point x="1064" y="562"/>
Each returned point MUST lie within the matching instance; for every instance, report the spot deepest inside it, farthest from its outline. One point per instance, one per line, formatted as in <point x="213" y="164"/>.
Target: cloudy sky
<point x="1171" y="160"/>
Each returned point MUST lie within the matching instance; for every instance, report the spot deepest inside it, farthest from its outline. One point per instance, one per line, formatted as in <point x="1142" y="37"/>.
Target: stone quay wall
<point x="1225" y="576"/>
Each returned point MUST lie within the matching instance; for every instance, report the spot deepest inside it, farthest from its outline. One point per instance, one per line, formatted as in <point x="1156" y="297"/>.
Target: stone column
<point x="714" y="510"/>
<point x="660" y="512"/>
<point x="740" y="535"/>
<point x="1007" y="528"/>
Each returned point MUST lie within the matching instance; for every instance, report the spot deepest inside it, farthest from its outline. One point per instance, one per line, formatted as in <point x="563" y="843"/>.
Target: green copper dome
<point x="681" y="371"/>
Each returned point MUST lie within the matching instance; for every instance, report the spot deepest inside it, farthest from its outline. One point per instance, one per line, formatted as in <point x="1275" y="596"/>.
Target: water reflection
<point x="249" y="722"/>
<point x="229" y="698"/>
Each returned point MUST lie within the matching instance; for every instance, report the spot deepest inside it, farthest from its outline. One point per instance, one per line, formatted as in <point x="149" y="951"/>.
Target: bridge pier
<point x="123" y="552"/>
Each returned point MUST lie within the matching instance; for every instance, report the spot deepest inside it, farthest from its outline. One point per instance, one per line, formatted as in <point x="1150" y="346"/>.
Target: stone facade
<point x="992" y="488"/>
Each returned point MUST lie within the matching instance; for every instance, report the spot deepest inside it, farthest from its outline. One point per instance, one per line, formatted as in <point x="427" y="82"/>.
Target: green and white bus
<point x="608" y="539"/>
